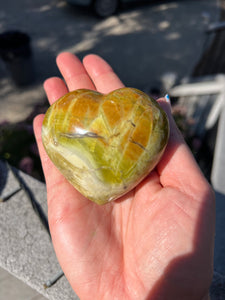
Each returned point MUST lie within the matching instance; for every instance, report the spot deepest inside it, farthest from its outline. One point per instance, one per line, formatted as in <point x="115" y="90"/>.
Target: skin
<point x="157" y="241"/>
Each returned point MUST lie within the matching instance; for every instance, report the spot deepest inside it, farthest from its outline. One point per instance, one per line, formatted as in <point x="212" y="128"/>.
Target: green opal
<point x="105" y="144"/>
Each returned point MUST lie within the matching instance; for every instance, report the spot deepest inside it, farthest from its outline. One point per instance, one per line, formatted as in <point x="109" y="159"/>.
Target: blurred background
<point x="152" y="45"/>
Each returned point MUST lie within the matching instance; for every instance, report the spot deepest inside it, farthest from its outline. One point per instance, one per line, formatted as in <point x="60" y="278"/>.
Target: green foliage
<point x="18" y="145"/>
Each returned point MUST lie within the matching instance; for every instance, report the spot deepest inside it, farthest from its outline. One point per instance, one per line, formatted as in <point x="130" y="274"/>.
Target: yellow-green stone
<point x="105" y="144"/>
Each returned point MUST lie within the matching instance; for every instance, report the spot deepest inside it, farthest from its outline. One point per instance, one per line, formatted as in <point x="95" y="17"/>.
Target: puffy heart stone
<point x="105" y="144"/>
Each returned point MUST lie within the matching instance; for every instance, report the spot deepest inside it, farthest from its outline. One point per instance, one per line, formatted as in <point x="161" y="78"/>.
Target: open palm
<point x="156" y="242"/>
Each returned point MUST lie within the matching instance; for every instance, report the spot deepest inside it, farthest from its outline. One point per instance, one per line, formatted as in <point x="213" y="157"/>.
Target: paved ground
<point x="14" y="289"/>
<point x="144" y="43"/>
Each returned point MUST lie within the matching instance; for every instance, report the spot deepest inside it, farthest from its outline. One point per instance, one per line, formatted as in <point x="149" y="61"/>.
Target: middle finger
<point x="73" y="71"/>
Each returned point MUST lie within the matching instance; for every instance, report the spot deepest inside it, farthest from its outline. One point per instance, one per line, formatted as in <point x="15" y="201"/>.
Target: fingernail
<point x="167" y="97"/>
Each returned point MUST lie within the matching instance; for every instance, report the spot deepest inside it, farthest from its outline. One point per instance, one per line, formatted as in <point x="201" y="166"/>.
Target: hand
<point x="156" y="242"/>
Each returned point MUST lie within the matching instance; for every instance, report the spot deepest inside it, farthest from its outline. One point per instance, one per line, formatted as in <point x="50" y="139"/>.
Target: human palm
<point x="156" y="242"/>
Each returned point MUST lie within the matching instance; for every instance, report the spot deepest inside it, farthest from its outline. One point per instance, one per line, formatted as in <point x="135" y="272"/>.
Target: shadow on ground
<point x="142" y="42"/>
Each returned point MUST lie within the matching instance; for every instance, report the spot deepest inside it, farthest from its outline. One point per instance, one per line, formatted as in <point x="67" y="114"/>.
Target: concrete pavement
<point x="12" y="288"/>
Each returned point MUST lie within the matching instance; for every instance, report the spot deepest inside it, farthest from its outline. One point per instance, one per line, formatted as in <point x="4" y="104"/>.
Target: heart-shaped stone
<point x="105" y="144"/>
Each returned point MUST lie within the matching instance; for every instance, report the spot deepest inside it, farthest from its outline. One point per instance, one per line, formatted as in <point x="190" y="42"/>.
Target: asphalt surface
<point x="148" y="45"/>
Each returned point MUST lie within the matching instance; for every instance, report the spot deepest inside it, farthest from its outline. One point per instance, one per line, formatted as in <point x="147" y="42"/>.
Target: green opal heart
<point x="105" y="144"/>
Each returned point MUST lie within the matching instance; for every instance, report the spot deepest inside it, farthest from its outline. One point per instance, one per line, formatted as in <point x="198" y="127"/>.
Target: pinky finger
<point x="37" y="125"/>
<point x="49" y="169"/>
